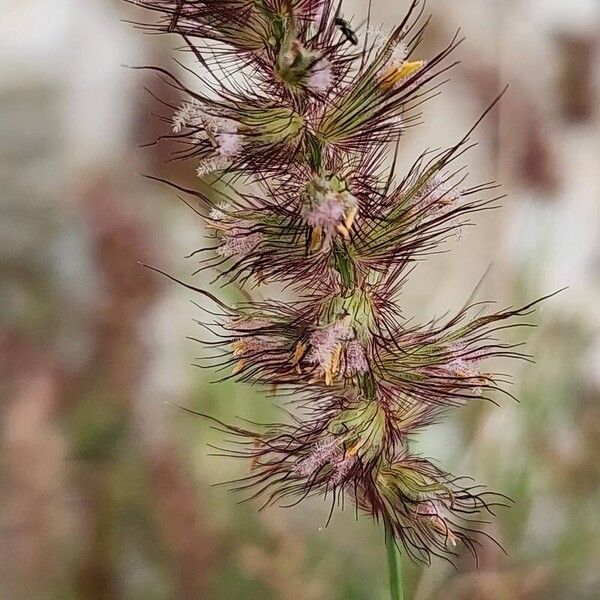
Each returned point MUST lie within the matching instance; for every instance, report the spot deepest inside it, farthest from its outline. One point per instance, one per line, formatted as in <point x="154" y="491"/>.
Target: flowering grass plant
<point x="298" y="114"/>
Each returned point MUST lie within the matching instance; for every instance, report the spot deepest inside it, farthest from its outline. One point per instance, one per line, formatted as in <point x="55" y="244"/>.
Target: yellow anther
<point x="350" y="216"/>
<point x="298" y="353"/>
<point x="396" y="74"/>
<point x="239" y="347"/>
<point x="354" y="450"/>
<point x="344" y="231"/>
<point x="440" y="524"/>
<point x="316" y="237"/>
<point x="240" y="365"/>
<point x="335" y="359"/>
<point x="333" y="365"/>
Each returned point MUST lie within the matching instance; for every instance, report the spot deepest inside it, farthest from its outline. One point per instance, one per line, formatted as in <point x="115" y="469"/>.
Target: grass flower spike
<point x="299" y="107"/>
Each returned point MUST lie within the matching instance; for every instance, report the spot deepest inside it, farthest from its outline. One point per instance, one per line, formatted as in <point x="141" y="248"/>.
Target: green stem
<point x="396" y="590"/>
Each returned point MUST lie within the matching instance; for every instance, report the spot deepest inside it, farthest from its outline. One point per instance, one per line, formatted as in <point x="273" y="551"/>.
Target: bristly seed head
<point x="291" y="105"/>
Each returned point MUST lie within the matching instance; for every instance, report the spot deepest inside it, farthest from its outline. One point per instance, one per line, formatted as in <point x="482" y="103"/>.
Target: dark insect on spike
<point x="347" y="31"/>
<point x="176" y="16"/>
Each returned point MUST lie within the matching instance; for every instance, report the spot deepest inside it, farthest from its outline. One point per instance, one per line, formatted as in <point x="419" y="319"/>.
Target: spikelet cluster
<point x="304" y="112"/>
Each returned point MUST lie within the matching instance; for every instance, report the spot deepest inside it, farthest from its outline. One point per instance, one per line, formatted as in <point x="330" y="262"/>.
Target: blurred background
<point x="106" y="490"/>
